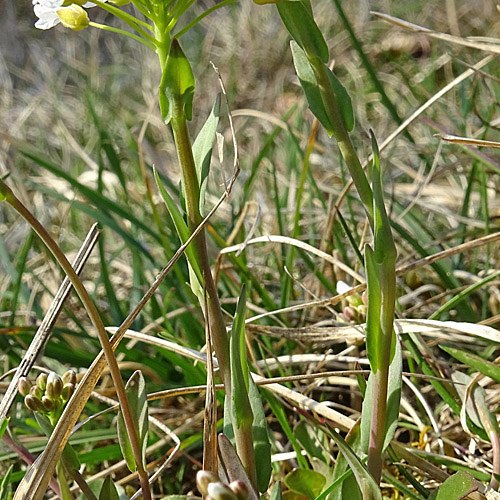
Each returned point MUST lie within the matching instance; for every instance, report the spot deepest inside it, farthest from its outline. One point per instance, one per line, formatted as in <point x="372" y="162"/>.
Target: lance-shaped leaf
<point x="300" y="23"/>
<point x="310" y="85"/>
<point x="3" y="426"/>
<point x="385" y="249"/>
<point x="374" y="335"/>
<point x="457" y="487"/>
<point x="202" y="150"/>
<point x="137" y="398"/>
<point x="276" y="491"/>
<point x="5" y="487"/>
<point x="184" y="234"/>
<point x="177" y="84"/>
<point x="108" y="490"/>
<point x="483" y="366"/>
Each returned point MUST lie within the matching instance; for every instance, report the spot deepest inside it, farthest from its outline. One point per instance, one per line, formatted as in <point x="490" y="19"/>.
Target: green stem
<point x="8" y="195"/>
<point x="192" y="192"/>
<point x="342" y="135"/>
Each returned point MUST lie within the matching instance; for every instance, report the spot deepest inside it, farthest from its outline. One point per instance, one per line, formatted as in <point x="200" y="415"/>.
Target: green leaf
<point x="3" y="426"/>
<point x="177" y="85"/>
<point x="276" y="491"/>
<point x="384" y="247"/>
<point x="310" y="441"/>
<point x="108" y="490"/>
<point x="366" y="483"/>
<point x="457" y="486"/>
<point x="483" y="366"/>
<point x="374" y="334"/>
<point x="183" y="233"/>
<point x="137" y="398"/>
<point x="5" y="487"/>
<point x="300" y="23"/>
<point x="306" y="482"/>
<point x="312" y="91"/>
<point x="202" y="150"/>
<point x="69" y="455"/>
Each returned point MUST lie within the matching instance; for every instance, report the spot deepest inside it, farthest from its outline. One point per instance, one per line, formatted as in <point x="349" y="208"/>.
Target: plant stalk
<point x="98" y="325"/>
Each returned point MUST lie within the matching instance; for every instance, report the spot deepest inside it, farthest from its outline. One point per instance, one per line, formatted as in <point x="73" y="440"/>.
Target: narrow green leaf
<point x="310" y="85"/>
<point x="310" y="441"/>
<point x="306" y="482"/>
<point x="384" y="247"/>
<point x="3" y="426"/>
<point x="108" y="490"/>
<point x="300" y="23"/>
<point x="457" y="487"/>
<point x="137" y="398"/>
<point x="374" y="340"/>
<point x="202" y="150"/>
<point x="177" y="84"/>
<point x="276" y="491"/>
<point x="483" y="366"/>
<point x="5" y="487"/>
<point x="180" y="226"/>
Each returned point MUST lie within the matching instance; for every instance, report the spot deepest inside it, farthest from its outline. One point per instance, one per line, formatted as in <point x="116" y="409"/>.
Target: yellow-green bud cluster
<point x="49" y="393"/>
<point x="212" y="488"/>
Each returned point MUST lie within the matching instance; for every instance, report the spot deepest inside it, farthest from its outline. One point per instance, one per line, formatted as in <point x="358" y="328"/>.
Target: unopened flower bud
<point x="41" y="381"/>
<point x="349" y="313"/>
<point x="355" y="300"/>
<point x="23" y="386"/>
<point x="73" y="17"/>
<point x="48" y="403"/>
<point x="364" y="297"/>
<point x="69" y="377"/>
<point x="54" y="386"/>
<point x="219" y="491"/>
<point x="36" y="392"/>
<point x="240" y="489"/>
<point x="203" y="479"/>
<point x="119" y="3"/>
<point x="67" y="392"/>
<point x="34" y="404"/>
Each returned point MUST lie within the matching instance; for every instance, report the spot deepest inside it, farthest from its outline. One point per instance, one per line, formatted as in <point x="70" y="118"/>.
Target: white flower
<point x="46" y="11"/>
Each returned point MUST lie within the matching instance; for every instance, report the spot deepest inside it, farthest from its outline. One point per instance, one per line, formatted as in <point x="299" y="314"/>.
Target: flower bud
<point x="219" y="491"/>
<point x="67" y="392"/>
<point x="41" y="381"/>
<point x="69" y="377"/>
<point x="73" y="17"/>
<point x="349" y="313"/>
<point x="23" y="386"/>
<point x="48" y="404"/>
<point x="240" y="489"/>
<point x="54" y="386"/>
<point x="203" y="479"/>
<point x="119" y="3"/>
<point x="36" y="392"/>
<point x="34" y="404"/>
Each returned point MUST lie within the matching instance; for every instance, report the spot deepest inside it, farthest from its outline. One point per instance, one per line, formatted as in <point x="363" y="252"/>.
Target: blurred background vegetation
<point x="72" y="107"/>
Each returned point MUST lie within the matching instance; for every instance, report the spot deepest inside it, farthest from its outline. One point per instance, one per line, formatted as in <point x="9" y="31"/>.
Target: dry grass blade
<point x="42" y="334"/>
<point x="486" y="47"/>
<point x="469" y="141"/>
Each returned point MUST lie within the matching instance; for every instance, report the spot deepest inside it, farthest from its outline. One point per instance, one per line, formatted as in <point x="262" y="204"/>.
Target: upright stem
<point x="190" y="181"/>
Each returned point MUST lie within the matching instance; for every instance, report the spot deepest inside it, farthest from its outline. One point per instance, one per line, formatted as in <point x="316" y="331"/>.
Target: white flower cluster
<point x="49" y="11"/>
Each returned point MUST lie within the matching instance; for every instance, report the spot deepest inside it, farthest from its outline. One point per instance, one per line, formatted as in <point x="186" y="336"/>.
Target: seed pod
<point x="23" y="386"/>
<point x="219" y="491"/>
<point x="203" y="479"/>
<point x="33" y="403"/>
<point x="41" y="381"/>
<point x="54" y="386"/>
<point x="67" y="392"/>
<point x="69" y="377"/>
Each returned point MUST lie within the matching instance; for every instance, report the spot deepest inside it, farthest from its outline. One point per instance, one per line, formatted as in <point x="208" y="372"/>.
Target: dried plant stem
<point x="97" y="322"/>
